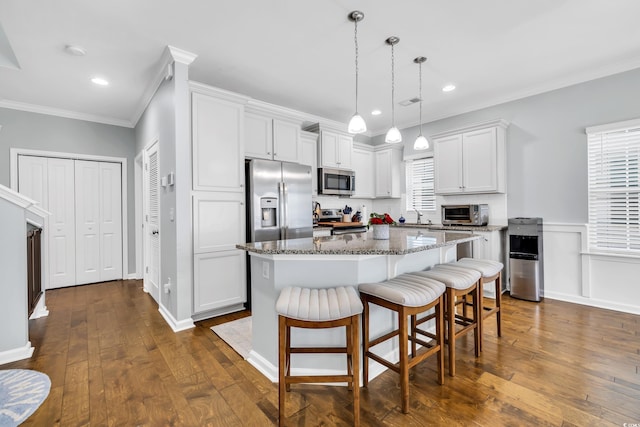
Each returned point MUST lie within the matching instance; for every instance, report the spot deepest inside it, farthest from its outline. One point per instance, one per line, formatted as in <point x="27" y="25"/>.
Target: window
<point x="420" y="190"/>
<point x="614" y="191"/>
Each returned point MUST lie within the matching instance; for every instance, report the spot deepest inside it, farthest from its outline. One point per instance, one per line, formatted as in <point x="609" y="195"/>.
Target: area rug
<point x="237" y="334"/>
<point x="21" y="393"/>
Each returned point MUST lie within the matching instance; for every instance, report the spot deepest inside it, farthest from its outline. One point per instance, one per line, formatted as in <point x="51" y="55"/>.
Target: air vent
<point x="408" y="102"/>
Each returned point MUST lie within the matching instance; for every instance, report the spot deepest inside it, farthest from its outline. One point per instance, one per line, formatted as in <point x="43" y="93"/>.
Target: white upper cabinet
<point x="308" y="156"/>
<point x="363" y="164"/>
<point x="335" y="150"/>
<point x="218" y="144"/>
<point x="271" y="139"/>
<point x="471" y="160"/>
<point x="388" y="163"/>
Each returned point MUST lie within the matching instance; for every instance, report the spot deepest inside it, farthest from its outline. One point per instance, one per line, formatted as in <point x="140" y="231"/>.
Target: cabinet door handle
<point x="268" y="152"/>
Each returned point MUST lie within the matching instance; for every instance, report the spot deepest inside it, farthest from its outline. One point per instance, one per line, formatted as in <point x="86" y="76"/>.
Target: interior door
<point x="110" y="206"/>
<point x="87" y="174"/>
<point x="62" y="242"/>
<point x="50" y="182"/>
<point x="152" y="222"/>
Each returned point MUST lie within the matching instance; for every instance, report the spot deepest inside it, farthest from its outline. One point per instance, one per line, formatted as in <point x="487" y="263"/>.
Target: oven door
<point x="457" y="214"/>
<point x="340" y="182"/>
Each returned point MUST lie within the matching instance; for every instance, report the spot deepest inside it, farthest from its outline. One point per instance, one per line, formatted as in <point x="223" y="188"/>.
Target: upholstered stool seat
<point x="319" y="309"/>
<point x="407" y="295"/>
<point x="491" y="271"/>
<point x="459" y="282"/>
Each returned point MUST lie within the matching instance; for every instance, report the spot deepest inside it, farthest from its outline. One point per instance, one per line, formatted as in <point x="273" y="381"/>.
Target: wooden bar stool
<point x="318" y="309"/>
<point x="459" y="283"/>
<point x="407" y="295"/>
<point x="491" y="271"/>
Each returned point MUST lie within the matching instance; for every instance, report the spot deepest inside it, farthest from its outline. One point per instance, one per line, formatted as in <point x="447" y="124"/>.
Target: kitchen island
<point x="323" y="262"/>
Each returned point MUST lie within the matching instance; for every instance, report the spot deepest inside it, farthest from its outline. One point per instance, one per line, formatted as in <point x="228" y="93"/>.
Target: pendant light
<point x="356" y="124"/>
<point x="421" y="142"/>
<point x="393" y="135"/>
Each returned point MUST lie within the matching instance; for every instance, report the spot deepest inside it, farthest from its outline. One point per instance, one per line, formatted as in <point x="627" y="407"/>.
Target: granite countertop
<point x="453" y="227"/>
<point x="401" y="241"/>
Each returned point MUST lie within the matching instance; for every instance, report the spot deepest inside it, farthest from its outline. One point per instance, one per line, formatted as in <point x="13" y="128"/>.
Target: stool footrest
<point x="319" y="379"/>
<point x="319" y="350"/>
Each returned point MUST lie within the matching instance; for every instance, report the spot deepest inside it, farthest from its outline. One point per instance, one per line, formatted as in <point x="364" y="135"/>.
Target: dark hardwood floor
<point x="113" y="361"/>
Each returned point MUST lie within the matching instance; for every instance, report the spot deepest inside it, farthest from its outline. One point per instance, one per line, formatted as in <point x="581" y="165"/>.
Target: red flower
<point x="376" y="218"/>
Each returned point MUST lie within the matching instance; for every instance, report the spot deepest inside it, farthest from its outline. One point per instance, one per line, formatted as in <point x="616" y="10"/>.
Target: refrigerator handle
<point x="281" y="213"/>
<point x="285" y="214"/>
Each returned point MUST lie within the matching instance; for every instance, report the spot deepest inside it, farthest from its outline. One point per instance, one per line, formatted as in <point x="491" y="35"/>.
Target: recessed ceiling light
<point x="376" y="112"/>
<point x="75" y="50"/>
<point x="449" y="87"/>
<point x="100" y="81"/>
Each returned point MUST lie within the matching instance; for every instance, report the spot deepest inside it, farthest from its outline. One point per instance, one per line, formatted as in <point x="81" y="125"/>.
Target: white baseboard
<point x="40" y="310"/>
<point x="176" y="325"/>
<point x="132" y="276"/>
<point x="265" y="367"/>
<point x="16" y="354"/>
<point x="218" y="312"/>
<point x="593" y="302"/>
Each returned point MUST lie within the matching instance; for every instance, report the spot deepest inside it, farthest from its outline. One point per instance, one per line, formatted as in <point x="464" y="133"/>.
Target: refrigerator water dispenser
<point x="269" y="206"/>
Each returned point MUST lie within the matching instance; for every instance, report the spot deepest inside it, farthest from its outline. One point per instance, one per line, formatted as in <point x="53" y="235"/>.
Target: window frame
<point x="425" y="205"/>
<point x="613" y="174"/>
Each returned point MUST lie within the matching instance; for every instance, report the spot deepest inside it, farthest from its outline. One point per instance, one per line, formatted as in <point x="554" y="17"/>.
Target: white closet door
<point x="110" y="222"/>
<point x="98" y="222"/>
<point x="62" y="244"/>
<point x="152" y="222"/>
<point x="50" y="182"/>
<point x="87" y="221"/>
<point x="33" y="180"/>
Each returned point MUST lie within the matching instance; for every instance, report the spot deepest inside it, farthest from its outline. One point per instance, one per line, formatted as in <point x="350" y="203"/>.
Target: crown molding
<point x="217" y="92"/>
<point x="169" y="55"/>
<point x="180" y="55"/>
<point x="471" y="127"/>
<point x="58" y="112"/>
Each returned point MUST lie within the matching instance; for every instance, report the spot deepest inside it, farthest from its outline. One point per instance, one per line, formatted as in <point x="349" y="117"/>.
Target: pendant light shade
<point x="421" y="142"/>
<point x="393" y="135"/>
<point x="356" y="124"/>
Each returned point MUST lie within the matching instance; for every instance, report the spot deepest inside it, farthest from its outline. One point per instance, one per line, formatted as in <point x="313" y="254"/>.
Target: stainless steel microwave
<point x="471" y="214"/>
<point x="336" y="182"/>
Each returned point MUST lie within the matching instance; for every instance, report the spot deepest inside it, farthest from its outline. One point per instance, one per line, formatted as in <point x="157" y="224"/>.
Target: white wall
<point x="14" y="333"/>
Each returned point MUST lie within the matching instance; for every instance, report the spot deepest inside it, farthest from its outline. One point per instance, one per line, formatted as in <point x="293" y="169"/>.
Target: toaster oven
<point x="471" y="214"/>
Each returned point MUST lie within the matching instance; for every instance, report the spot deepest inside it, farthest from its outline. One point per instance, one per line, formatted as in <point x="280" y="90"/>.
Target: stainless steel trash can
<point x="526" y="262"/>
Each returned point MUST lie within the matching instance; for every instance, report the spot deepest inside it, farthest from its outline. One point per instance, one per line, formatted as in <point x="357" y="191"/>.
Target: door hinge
<point x="146" y="269"/>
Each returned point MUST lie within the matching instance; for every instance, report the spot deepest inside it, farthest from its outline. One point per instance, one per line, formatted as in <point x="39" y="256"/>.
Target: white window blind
<point x="614" y="191"/>
<point x="420" y="188"/>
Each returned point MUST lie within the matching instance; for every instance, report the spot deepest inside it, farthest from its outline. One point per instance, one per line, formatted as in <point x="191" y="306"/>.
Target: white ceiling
<point x="300" y="53"/>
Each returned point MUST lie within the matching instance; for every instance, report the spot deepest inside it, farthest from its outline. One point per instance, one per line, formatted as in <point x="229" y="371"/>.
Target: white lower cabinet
<point x="219" y="280"/>
<point x="492" y="245"/>
<point x="219" y="269"/>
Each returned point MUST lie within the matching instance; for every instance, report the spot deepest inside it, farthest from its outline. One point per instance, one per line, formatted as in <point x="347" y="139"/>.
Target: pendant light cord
<point x="357" y="71"/>
<point x="393" y="85"/>
<point x="420" y="79"/>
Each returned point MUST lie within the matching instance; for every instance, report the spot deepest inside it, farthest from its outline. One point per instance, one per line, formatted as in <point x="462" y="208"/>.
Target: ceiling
<point x="300" y="53"/>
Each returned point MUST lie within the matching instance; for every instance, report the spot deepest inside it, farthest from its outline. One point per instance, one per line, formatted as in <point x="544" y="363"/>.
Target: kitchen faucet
<point x="419" y="216"/>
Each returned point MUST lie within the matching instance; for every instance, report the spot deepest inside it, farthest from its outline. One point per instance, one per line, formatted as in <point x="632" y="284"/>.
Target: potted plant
<point x="380" y="224"/>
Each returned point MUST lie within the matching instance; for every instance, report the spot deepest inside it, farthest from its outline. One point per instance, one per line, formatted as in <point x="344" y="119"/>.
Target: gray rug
<point x="237" y="334"/>
<point x="21" y="393"/>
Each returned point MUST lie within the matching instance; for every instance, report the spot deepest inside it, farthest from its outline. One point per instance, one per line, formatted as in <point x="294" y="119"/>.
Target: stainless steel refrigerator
<point x="279" y="200"/>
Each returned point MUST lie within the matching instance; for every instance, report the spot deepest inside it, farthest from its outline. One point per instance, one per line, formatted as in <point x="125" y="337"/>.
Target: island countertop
<point x="401" y="241"/>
